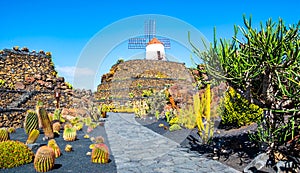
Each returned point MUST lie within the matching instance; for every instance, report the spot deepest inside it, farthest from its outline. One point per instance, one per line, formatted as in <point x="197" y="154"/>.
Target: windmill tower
<point x="155" y="47"/>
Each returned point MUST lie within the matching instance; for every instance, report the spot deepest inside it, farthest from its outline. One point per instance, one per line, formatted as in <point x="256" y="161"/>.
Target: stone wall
<point x="26" y="77"/>
<point x="134" y="76"/>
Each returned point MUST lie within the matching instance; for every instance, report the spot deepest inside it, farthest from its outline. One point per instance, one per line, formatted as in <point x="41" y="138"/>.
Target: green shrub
<point x="236" y="111"/>
<point x="14" y="153"/>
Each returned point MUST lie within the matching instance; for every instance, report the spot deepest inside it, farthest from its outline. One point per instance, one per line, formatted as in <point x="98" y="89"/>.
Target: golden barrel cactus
<point x="31" y="121"/>
<point x="70" y="133"/>
<point x="4" y="135"/>
<point x="100" y="153"/>
<point x="44" y="159"/>
<point x="33" y="136"/>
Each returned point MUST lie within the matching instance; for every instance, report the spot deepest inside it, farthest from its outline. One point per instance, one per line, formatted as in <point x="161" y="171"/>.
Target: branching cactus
<point x="31" y="121"/>
<point x="100" y="153"/>
<point x="44" y="159"/>
<point x="4" y="135"/>
<point x="46" y="124"/>
<point x="70" y="133"/>
<point x="52" y="143"/>
<point x="33" y="136"/>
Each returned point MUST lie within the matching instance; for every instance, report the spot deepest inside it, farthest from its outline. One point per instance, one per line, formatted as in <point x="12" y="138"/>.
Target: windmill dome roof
<point x="155" y="41"/>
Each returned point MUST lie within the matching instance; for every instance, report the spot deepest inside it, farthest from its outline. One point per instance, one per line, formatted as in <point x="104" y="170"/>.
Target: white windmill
<point x="155" y="47"/>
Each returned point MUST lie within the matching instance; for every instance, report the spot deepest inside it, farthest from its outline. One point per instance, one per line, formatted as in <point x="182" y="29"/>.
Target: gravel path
<point x="138" y="149"/>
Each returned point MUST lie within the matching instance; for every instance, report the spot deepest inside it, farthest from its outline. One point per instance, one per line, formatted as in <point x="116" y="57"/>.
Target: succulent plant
<point x="68" y="148"/>
<point x="11" y="130"/>
<point x="56" y="127"/>
<point x="38" y="106"/>
<point x="46" y="124"/>
<point x="69" y="133"/>
<point x="57" y="115"/>
<point x="31" y="121"/>
<point x="4" y="135"/>
<point x="78" y="126"/>
<point x="44" y="159"/>
<point x="33" y="136"/>
<point x="98" y="140"/>
<point x="52" y="143"/>
<point x="100" y="153"/>
<point x="14" y="153"/>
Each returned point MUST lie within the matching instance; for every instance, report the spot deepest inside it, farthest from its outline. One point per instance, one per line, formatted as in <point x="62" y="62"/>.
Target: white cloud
<point x="69" y="71"/>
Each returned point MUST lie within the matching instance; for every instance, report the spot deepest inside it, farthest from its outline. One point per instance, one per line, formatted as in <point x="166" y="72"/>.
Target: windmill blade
<point x="166" y="42"/>
<point x="137" y="43"/>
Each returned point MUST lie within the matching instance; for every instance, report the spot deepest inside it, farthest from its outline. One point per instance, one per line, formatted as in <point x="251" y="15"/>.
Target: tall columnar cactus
<point x="70" y="133"/>
<point x="33" y="136"/>
<point x="46" y="124"/>
<point x="100" y="153"/>
<point x="44" y="159"/>
<point x="38" y="106"/>
<point x="202" y="110"/>
<point x="4" y="135"/>
<point x="31" y="121"/>
<point x="52" y="143"/>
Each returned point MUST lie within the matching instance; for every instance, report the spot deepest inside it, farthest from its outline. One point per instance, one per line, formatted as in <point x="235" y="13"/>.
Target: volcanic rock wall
<point x="25" y="78"/>
<point x="135" y="76"/>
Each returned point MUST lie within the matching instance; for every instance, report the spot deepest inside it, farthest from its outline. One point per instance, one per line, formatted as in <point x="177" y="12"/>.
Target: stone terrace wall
<point x="134" y="76"/>
<point x="25" y="78"/>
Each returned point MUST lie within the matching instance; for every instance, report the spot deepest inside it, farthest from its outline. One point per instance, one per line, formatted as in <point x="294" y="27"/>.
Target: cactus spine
<point x="69" y="133"/>
<point x="44" y="159"/>
<point x="46" y="123"/>
<point x="31" y="121"/>
<point x="100" y="153"/>
<point x="33" y="136"/>
<point x="52" y="143"/>
<point x="4" y="135"/>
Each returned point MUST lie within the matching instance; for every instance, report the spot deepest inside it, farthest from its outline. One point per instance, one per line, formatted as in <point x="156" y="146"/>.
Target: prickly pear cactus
<point x="31" y="121"/>
<point x="44" y="159"/>
<point x="100" y="153"/>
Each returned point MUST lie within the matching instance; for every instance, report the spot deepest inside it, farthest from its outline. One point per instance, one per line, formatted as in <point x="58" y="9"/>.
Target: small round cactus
<point x="68" y="148"/>
<point x="100" y="153"/>
<point x="4" y="135"/>
<point x="56" y="127"/>
<point x="69" y="133"/>
<point x="44" y="159"/>
<point x="52" y="143"/>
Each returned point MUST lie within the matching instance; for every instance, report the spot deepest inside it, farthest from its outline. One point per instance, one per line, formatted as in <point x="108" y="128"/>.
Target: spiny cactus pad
<point x="44" y="159"/>
<point x="14" y="153"/>
<point x="100" y="153"/>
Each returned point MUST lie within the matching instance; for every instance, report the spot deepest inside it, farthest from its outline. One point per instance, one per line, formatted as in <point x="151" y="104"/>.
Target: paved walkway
<point x="139" y="149"/>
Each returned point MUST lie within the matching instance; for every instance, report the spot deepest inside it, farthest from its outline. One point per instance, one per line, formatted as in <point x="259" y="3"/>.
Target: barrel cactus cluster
<point x="14" y="153"/>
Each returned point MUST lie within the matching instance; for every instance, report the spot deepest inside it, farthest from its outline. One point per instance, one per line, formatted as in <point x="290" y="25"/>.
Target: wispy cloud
<point x="69" y="71"/>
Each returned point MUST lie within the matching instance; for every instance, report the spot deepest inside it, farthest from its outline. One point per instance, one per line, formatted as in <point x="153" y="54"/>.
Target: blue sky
<point x="66" y="27"/>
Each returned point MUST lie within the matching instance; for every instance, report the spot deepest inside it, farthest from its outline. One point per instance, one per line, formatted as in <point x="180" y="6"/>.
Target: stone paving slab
<point x="138" y="149"/>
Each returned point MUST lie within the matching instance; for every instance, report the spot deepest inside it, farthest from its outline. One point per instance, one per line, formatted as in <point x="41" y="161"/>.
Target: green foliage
<point x="187" y="117"/>
<point x="2" y="82"/>
<point x="57" y="115"/>
<point x="14" y="153"/>
<point x="237" y="111"/>
<point x="131" y="95"/>
<point x="141" y="108"/>
<point x="4" y="135"/>
<point x="69" y="85"/>
<point x="100" y="153"/>
<point x="147" y="93"/>
<point x="44" y="159"/>
<point x="157" y="103"/>
<point x="31" y="121"/>
<point x="174" y="127"/>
